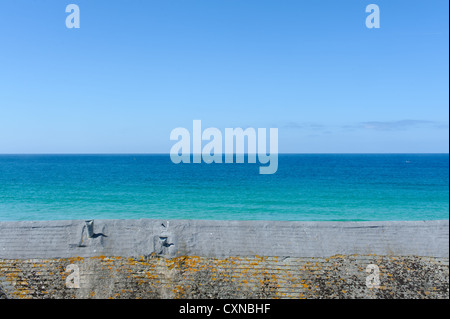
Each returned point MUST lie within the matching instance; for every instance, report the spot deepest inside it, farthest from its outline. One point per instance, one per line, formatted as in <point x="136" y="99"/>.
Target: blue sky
<point x="135" y="70"/>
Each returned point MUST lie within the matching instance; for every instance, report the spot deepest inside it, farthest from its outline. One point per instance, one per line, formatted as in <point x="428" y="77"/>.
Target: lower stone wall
<point x="223" y="259"/>
<point x="233" y="277"/>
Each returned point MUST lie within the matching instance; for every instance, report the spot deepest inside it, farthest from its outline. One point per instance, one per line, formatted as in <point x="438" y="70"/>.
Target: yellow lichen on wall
<point x="234" y="277"/>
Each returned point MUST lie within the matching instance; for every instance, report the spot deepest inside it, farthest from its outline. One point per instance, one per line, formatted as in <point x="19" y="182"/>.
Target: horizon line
<point x="280" y="153"/>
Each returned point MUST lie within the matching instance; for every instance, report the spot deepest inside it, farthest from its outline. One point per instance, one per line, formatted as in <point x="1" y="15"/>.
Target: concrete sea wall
<point x="223" y="259"/>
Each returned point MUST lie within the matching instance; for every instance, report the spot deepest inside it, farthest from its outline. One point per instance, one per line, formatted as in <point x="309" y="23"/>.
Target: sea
<point x="306" y="187"/>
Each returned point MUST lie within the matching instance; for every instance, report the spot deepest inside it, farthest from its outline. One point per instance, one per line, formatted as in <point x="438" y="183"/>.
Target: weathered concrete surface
<point x="219" y="239"/>
<point x="234" y="277"/>
<point x="2" y="294"/>
<point x="224" y="259"/>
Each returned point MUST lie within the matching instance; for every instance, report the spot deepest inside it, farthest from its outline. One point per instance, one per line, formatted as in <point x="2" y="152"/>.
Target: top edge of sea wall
<point x="219" y="239"/>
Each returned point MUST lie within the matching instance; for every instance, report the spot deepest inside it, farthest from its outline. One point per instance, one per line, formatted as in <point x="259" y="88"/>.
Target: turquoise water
<point x="305" y="187"/>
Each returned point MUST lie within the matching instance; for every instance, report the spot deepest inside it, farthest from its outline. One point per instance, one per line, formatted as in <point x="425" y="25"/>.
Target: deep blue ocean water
<point x="344" y="187"/>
